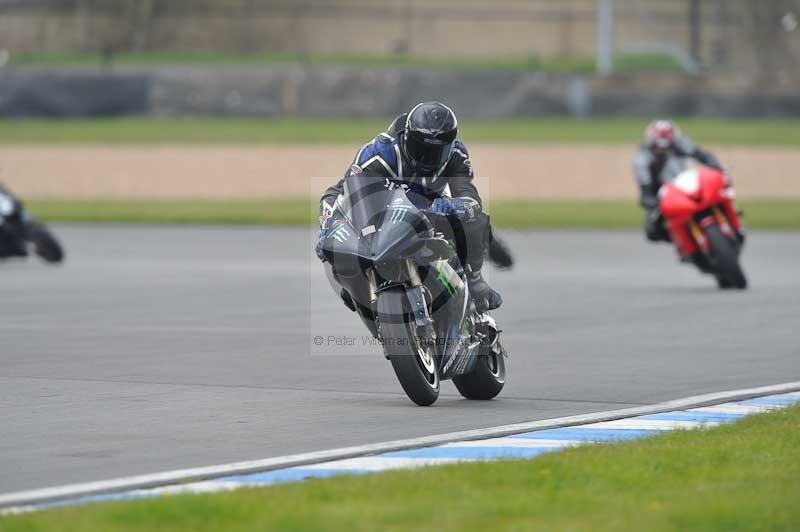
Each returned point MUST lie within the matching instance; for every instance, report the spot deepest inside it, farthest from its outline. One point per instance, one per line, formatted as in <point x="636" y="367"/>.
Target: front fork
<point x="715" y="216"/>
<point x="416" y="299"/>
<point x="702" y="257"/>
<point x="698" y="236"/>
<point x="412" y="283"/>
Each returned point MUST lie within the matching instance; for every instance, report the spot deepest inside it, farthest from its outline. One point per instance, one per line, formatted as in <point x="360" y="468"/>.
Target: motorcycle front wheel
<point x="414" y="364"/>
<point x="725" y="259"/>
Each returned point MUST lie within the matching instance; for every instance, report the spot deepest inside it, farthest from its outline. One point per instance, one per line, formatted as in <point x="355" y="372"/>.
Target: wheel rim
<point x="493" y="364"/>
<point x="427" y="364"/>
<point x="496" y="367"/>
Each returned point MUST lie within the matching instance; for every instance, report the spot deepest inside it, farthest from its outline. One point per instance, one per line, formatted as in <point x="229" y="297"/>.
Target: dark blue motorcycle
<point x="400" y="272"/>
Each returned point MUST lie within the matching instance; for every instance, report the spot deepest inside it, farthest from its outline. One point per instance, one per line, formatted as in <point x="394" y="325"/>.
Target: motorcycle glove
<point x="485" y="297"/>
<point x="464" y="208"/>
<point x="325" y="213"/>
<point x="318" y="248"/>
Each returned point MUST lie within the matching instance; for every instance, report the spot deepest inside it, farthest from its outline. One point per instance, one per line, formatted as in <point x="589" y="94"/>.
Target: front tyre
<point x="44" y="243"/>
<point x="486" y="380"/>
<point x="415" y="366"/>
<point x="725" y="258"/>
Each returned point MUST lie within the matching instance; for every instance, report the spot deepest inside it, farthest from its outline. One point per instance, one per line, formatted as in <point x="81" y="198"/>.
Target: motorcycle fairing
<point x="450" y="304"/>
<point x="377" y="224"/>
<point x="688" y="207"/>
<point x="375" y="227"/>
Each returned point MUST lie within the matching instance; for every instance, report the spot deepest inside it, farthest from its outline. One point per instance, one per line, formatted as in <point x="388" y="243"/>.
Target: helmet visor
<point x="662" y="144"/>
<point x="427" y="151"/>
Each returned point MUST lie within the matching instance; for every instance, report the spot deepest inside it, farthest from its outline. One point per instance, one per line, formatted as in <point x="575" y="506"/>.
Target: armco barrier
<point x="344" y="91"/>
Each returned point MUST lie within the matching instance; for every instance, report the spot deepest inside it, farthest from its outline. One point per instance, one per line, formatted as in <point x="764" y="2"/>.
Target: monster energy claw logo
<point x="445" y="283"/>
<point x="340" y="234"/>
<point x="447" y="277"/>
<point x="398" y="213"/>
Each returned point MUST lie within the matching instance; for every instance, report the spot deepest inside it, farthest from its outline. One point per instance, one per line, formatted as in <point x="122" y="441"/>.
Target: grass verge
<point x="743" y="476"/>
<point x="520" y="214"/>
<point x="748" y="132"/>
<point x="520" y="63"/>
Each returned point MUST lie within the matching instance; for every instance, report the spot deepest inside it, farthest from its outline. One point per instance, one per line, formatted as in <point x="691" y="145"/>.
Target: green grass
<point x="743" y="476"/>
<point x="623" y="214"/>
<point x="522" y="214"/>
<point x="288" y="211"/>
<point x="304" y="130"/>
<point x="584" y="64"/>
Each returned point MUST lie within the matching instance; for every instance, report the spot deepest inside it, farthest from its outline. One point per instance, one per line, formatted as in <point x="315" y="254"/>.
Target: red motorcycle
<point x="697" y="203"/>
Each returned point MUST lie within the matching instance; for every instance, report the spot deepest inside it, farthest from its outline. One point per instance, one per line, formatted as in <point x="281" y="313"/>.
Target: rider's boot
<point x="484" y="296"/>
<point x="741" y="234"/>
<point x="499" y="253"/>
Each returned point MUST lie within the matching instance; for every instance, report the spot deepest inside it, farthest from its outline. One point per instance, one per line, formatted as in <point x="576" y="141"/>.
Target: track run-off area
<point x="157" y="348"/>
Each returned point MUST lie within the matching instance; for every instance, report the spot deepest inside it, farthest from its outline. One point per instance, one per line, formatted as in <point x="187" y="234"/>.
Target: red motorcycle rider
<point x="663" y="141"/>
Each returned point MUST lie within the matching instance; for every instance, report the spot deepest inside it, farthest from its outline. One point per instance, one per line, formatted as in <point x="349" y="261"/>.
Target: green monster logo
<point x="442" y="279"/>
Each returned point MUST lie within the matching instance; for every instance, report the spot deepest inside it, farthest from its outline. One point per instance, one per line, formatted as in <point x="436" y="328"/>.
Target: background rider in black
<point x="12" y="215"/>
<point x="420" y="149"/>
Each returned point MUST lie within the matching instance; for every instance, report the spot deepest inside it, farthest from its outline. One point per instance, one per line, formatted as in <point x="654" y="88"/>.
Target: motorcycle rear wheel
<point x="485" y="381"/>
<point x="725" y="259"/>
<point x="415" y="365"/>
<point x="44" y="243"/>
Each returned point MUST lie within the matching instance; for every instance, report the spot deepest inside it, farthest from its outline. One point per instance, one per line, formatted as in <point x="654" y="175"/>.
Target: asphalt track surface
<point x="159" y="348"/>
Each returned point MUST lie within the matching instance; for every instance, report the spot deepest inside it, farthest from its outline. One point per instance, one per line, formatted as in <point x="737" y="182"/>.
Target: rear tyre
<point x="723" y="283"/>
<point x="415" y="365"/>
<point x="486" y="380"/>
<point x="725" y="259"/>
<point x="44" y="243"/>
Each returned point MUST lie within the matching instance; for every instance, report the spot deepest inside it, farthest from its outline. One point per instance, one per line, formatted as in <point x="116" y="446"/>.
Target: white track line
<point x="73" y="491"/>
<point x="209" y="486"/>
<point x="381" y="463"/>
<point x="649" y="424"/>
<point x="743" y="410"/>
<point x="517" y="442"/>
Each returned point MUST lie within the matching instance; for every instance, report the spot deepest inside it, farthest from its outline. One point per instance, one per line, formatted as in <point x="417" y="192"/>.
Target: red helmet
<point x="660" y="135"/>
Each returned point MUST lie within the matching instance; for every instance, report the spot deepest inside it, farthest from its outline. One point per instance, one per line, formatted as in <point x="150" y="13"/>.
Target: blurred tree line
<point x="760" y="36"/>
<point x="137" y="18"/>
<point x="771" y="30"/>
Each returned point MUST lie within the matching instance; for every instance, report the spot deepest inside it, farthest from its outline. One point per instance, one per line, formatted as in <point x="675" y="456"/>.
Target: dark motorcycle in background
<point x="697" y="203"/>
<point x="405" y="280"/>
<point x="21" y="234"/>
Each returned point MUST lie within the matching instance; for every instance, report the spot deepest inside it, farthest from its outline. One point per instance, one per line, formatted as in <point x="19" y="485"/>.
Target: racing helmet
<point x="427" y="139"/>
<point x="660" y="135"/>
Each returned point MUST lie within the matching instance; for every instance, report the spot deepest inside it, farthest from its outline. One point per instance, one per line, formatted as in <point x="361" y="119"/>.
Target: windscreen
<point x="674" y="166"/>
<point x="364" y="199"/>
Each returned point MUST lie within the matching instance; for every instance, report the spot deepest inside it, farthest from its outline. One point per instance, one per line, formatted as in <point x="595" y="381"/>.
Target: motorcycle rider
<point x="420" y="149"/>
<point x="662" y="140"/>
<point x="11" y="216"/>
